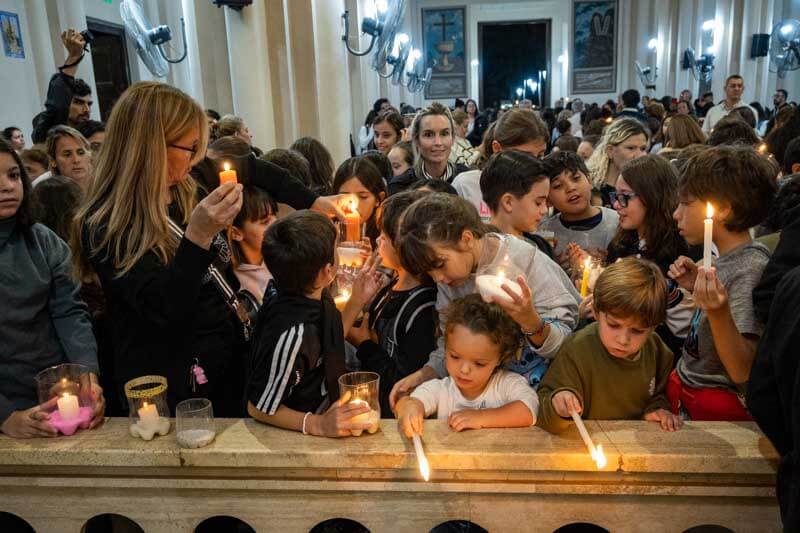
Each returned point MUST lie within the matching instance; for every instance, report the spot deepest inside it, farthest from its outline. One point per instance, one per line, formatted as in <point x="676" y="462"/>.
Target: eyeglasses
<point x="622" y="197"/>
<point x="192" y="151"/>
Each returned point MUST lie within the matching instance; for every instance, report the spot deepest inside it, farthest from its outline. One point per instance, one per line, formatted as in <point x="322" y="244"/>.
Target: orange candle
<point x="352" y="223"/>
<point x="227" y="175"/>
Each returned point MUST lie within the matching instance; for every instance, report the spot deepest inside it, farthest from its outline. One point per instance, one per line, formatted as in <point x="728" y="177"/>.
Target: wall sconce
<point x="391" y="48"/>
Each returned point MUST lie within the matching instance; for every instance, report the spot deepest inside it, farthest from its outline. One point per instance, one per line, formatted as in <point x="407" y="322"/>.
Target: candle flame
<point x="144" y="404"/>
<point x="709" y="210"/>
<point x="609" y="120"/>
<point x="599" y="457"/>
<point x="226" y="166"/>
<point x="65" y="395"/>
<point x="762" y="148"/>
<point x="587" y="263"/>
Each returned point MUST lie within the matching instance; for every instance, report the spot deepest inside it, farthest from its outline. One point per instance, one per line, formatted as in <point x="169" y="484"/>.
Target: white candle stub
<point x="350" y="256"/>
<point x="490" y="287"/>
<point x="371" y="417"/>
<point x="195" y="438"/>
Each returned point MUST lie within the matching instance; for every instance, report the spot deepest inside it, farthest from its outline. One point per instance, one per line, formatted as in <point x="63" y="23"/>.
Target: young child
<point x="515" y="186"/>
<point x="360" y="177"/>
<point x="402" y="157"/>
<point x="247" y="235"/>
<point x="578" y="226"/>
<point x="443" y="236"/>
<point x="297" y="354"/>
<point x="616" y="368"/>
<point x="398" y="332"/>
<point x="711" y="376"/>
<point x="479" y="393"/>
<point x="645" y="197"/>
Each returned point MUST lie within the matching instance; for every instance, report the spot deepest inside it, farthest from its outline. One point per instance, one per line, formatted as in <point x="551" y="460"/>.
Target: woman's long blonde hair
<point x="125" y="211"/>
<point x="615" y="134"/>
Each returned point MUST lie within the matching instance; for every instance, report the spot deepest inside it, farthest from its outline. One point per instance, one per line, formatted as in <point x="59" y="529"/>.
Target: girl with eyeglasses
<point x="645" y="196"/>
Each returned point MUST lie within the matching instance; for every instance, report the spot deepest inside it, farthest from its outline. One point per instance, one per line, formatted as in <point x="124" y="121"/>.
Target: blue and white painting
<point x="443" y="42"/>
<point x="12" y="35"/>
<point x="594" y="48"/>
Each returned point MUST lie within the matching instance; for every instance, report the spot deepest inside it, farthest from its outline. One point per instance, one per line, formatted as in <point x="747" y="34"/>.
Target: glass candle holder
<point x="342" y="288"/>
<point x="194" y="423"/>
<point x="65" y="391"/>
<point x="353" y="254"/>
<point x="362" y="388"/>
<point x="148" y="411"/>
<point x="496" y="267"/>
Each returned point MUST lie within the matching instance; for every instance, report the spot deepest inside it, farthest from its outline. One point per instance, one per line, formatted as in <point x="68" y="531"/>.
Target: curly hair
<point x="485" y="319"/>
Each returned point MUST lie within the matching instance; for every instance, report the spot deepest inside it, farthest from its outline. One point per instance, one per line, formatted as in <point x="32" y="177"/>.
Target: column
<point x="40" y="46"/>
<point x="302" y="68"/>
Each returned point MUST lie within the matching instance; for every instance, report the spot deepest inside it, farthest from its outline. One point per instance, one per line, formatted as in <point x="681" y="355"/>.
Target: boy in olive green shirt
<point x="617" y="368"/>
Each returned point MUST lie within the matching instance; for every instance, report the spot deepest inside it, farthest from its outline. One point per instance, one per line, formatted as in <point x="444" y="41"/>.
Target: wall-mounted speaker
<point x="760" y="45"/>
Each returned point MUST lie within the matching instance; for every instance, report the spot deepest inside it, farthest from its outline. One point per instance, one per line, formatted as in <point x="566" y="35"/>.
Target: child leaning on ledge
<point x="478" y="392"/>
<point x="617" y="368"/>
<point x="297" y="354"/>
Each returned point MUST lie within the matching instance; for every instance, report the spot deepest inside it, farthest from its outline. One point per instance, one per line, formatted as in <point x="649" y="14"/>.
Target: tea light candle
<point x="148" y="416"/>
<point x="350" y="257"/>
<point x="587" y="266"/>
<point x="708" y="228"/>
<point x="342" y="300"/>
<point x="352" y="222"/>
<point x="371" y="417"/>
<point x="227" y="175"/>
<point x="491" y="287"/>
<point x="68" y="407"/>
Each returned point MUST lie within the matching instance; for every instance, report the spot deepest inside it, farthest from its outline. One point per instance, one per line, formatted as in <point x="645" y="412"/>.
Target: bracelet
<point x="537" y="331"/>
<point x="305" y="418"/>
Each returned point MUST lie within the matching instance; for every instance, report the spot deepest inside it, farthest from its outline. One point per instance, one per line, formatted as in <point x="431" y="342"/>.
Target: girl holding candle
<point x="623" y="140"/>
<point x="151" y="242"/>
<point x="45" y="323"/>
<point x="360" y="178"/>
<point x="711" y="375"/>
<point x="432" y="137"/>
<point x="443" y="236"/>
<point x="398" y="332"/>
<point x="478" y="392"/>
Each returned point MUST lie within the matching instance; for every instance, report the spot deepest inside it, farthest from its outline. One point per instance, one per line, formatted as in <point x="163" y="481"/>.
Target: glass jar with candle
<point x="498" y="266"/>
<point x="65" y="391"/>
<point x="362" y="388"/>
<point x="148" y="411"/>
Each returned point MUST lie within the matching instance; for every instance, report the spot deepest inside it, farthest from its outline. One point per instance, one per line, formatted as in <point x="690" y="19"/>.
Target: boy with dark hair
<point x="515" y="185"/>
<point x="791" y="159"/>
<point x="710" y="378"/>
<point x="616" y="368"/>
<point x="566" y="143"/>
<point x="579" y="227"/>
<point x="297" y="355"/>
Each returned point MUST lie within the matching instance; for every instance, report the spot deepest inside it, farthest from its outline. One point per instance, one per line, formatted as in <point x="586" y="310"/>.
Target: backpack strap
<point x="416" y="292"/>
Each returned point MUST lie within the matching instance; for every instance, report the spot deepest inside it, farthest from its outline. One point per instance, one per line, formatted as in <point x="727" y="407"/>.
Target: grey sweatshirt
<point x="554" y="298"/>
<point x="43" y="321"/>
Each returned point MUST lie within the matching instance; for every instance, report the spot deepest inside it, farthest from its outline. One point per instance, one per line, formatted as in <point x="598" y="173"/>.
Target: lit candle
<point x="596" y="452"/>
<point x="762" y="148"/>
<point x="227" y="175"/>
<point x="342" y="300"/>
<point x="371" y="417"/>
<point x="352" y="222"/>
<point x="148" y="416"/>
<point x="708" y="229"/>
<point x="491" y="287"/>
<point x="587" y="268"/>
<point x="68" y="407"/>
<point x="350" y="256"/>
<point x="424" y="468"/>
<point x="609" y="120"/>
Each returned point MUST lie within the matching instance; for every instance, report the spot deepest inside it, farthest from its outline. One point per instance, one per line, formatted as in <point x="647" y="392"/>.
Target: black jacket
<point x="785" y="258"/>
<point x="404" y="181"/>
<point x="475" y="137"/>
<point x="56" y="107"/>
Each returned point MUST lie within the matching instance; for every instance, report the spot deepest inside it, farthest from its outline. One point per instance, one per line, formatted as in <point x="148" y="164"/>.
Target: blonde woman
<point x="70" y="156"/>
<point x="432" y="135"/>
<point x="623" y="140"/>
<point x="166" y="313"/>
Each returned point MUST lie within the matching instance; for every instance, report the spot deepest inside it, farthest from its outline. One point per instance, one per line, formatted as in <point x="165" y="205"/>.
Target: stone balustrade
<point x="502" y="480"/>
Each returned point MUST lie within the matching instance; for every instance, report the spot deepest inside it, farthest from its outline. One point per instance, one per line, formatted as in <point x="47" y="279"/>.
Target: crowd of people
<point x="121" y="250"/>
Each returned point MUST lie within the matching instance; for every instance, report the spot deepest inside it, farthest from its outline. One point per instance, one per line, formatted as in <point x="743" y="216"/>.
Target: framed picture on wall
<point x="444" y="50"/>
<point x="12" y="35"/>
<point x="594" y="46"/>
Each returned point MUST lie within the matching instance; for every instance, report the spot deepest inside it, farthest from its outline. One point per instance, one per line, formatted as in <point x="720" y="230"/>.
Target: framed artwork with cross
<point x="444" y="49"/>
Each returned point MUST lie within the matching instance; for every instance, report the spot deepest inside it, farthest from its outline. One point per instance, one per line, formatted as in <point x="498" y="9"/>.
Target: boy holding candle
<point x="579" y="226"/>
<point x="616" y="368"/>
<point x="297" y="354"/>
<point x="710" y="378"/>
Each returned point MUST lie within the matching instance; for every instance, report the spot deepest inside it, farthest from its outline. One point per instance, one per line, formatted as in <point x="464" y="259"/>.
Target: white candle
<point x="708" y="229"/>
<point x="371" y="417"/>
<point x="491" y="287"/>
<point x="148" y="416"/>
<point x="424" y="467"/>
<point x="68" y="407"/>
<point x="350" y="257"/>
<point x="596" y="452"/>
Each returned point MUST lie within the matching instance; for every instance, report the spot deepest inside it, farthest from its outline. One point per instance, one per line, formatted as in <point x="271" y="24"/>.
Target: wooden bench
<point x="502" y="480"/>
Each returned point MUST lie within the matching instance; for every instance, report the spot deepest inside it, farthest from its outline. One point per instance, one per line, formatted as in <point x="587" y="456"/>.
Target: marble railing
<point x="502" y="480"/>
